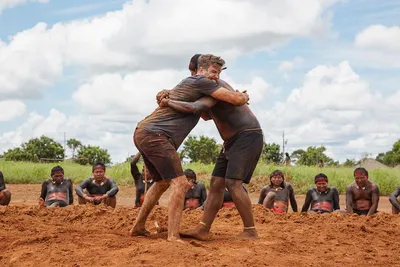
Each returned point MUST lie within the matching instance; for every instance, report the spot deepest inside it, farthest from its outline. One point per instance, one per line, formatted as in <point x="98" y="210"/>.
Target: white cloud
<point x="13" y="3"/>
<point x="334" y="107"/>
<point x="152" y="35"/>
<point x="289" y="65"/>
<point x="379" y="37"/>
<point x="11" y="109"/>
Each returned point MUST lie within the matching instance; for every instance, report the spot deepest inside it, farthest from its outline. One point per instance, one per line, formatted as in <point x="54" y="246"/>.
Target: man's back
<point x="231" y="120"/>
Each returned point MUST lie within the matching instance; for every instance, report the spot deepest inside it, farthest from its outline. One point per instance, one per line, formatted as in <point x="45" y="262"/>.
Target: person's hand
<point x="41" y="203"/>
<point x="161" y="95"/>
<point x="164" y="102"/>
<point x="89" y="199"/>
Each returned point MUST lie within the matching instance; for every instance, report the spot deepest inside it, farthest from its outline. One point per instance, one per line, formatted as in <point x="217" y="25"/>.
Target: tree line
<point x="206" y="150"/>
<point x="46" y="149"/>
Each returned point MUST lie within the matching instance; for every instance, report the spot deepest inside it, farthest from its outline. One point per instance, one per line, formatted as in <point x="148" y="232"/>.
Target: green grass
<point x="301" y="177"/>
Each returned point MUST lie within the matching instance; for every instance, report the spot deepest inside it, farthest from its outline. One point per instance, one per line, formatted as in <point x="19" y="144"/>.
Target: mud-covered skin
<point x="196" y="196"/>
<point x="321" y="202"/>
<point x="363" y="201"/>
<point x="394" y="200"/>
<point x="108" y="187"/>
<point x="282" y="195"/>
<point x="60" y="193"/>
<point x="5" y="194"/>
<point x="174" y="124"/>
<point x="139" y="184"/>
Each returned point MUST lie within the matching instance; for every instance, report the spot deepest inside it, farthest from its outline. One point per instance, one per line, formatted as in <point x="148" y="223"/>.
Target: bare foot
<point x="176" y="240"/>
<point x="136" y="231"/>
<point x="199" y="233"/>
<point x="248" y="234"/>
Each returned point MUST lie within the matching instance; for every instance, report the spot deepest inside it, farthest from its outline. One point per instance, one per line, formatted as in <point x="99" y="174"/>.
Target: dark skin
<point x="316" y="200"/>
<point x="5" y="195"/>
<point x="395" y="201"/>
<point x="215" y="197"/>
<point x="363" y="195"/>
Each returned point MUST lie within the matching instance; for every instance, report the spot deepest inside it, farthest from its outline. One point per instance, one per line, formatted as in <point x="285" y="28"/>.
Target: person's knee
<point x="181" y="182"/>
<point x="233" y="184"/>
<point x="271" y="195"/>
<point x="217" y="184"/>
<point x="6" y="193"/>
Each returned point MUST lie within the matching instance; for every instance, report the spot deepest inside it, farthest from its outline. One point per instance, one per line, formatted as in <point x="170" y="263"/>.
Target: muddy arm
<point x="375" y="200"/>
<point x="393" y="198"/>
<point x="349" y="199"/>
<point x="307" y="202"/>
<point x="336" y="205"/>
<point x="196" y="107"/>
<point x="292" y="198"/>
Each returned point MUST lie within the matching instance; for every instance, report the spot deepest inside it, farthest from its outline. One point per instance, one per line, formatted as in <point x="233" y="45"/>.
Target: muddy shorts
<point x="159" y="154"/>
<point x="239" y="156"/>
<point x="362" y="212"/>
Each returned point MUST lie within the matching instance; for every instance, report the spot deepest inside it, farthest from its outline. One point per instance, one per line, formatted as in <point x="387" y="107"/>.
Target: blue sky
<point x="141" y="47"/>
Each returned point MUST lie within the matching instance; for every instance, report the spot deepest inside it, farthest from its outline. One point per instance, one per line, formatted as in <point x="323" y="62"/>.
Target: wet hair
<point x="362" y="170"/>
<point x="55" y="169"/>
<point x="98" y="164"/>
<point x="277" y="173"/>
<point x="320" y="176"/>
<point x="205" y="61"/>
<point x="194" y="62"/>
<point x="190" y="174"/>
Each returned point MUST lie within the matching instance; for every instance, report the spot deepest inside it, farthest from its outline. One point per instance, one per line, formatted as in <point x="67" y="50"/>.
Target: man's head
<point x="193" y="64"/>
<point x="277" y="178"/>
<point x="321" y="182"/>
<point x="361" y="177"/>
<point x="57" y="174"/>
<point x="210" y="66"/>
<point x="99" y="170"/>
<point x="191" y="176"/>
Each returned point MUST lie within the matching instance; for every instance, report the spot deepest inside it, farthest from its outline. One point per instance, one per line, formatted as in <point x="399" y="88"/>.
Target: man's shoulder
<point x="351" y="186"/>
<point x="374" y="185"/>
<point x="48" y="180"/>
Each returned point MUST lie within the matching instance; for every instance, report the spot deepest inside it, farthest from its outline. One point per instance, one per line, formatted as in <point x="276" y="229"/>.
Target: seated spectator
<point x="56" y="191"/>
<point x="98" y="189"/>
<point x="321" y="198"/>
<point x="362" y="197"/>
<point x="197" y="194"/>
<point x="277" y="194"/>
<point x="5" y="194"/>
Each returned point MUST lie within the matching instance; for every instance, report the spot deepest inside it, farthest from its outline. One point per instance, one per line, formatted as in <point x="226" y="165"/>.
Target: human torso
<point x="59" y="192"/>
<point x="193" y="197"/>
<point x="94" y="188"/>
<point x="322" y="200"/>
<point x="362" y="197"/>
<point x="231" y="120"/>
<point x="172" y="123"/>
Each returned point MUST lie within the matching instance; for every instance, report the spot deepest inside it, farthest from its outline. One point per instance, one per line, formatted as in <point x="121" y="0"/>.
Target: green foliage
<point x="73" y="144"/>
<point x="36" y="149"/>
<point x="392" y="157"/>
<point x="349" y="163"/>
<point x="92" y="154"/>
<point x="271" y="153"/>
<point x="204" y="149"/>
<point x="313" y="156"/>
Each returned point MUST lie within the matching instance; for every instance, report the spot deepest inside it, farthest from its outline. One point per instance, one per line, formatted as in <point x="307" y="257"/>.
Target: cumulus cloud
<point x="289" y="65"/>
<point x="151" y="35"/>
<point x="13" y="3"/>
<point x="379" y="37"/>
<point x="11" y="109"/>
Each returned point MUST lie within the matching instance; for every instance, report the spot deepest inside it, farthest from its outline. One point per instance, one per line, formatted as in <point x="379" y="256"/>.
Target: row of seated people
<point x="362" y="197"/>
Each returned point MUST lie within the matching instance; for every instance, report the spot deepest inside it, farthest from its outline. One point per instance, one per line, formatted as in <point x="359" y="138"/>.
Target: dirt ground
<point x="98" y="236"/>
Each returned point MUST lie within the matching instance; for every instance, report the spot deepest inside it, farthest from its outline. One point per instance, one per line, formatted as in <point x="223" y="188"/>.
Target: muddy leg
<point x="243" y="205"/>
<point x="269" y="200"/>
<point x="82" y="201"/>
<point x="213" y="205"/>
<point x="54" y="204"/>
<point x="110" y="201"/>
<point x="5" y="197"/>
<point x="180" y="186"/>
<point x="152" y="196"/>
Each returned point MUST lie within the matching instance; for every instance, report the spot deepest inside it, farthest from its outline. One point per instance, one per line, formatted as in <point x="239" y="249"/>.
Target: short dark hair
<point x="194" y="62"/>
<point x="320" y="175"/>
<point x="98" y="164"/>
<point x="190" y="174"/>
<point x="362" y="170"/>
<point x="55" y="169"/>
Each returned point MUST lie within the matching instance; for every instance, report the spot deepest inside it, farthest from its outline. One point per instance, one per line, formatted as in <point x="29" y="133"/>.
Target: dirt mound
<point x="397" y="167"/>
<point x="371" y="164"/>
<point x="98" y="236"/>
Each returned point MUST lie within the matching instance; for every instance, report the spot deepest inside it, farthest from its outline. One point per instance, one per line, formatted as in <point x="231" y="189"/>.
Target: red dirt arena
<point x="98" y="236"/>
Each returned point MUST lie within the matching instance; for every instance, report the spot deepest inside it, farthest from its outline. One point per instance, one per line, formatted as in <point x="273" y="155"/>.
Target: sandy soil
<point x="98" y="236"/>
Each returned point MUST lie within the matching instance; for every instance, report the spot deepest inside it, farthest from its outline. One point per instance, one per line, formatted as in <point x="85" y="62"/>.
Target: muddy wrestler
<point x="395" y="201"/>
<point x="98" y="188"/>
<point x="362" y="197"/>
<point x="243" y="142"/>
<point x="160" y="134"/>
<point x="197" y="193"/>
<point x="277" y="194"/>
<point x="321" y="198"/>
<point x="56" y="191"/>
<point x="139" y="180"/>
<point x="5" y="194"/>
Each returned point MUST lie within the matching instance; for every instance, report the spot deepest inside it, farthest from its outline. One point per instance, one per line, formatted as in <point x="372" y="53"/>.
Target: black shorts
<point x="159" y="154"/>
<point x="239" y="156"/>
